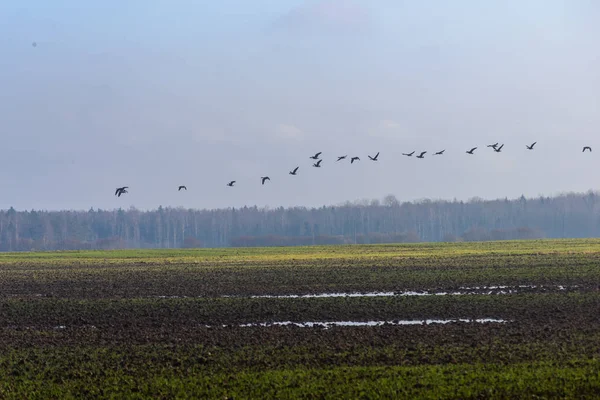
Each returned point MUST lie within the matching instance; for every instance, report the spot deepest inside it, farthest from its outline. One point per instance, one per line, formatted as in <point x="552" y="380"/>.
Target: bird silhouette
<point x="473" y="149"/>
<point x="316" y="156"/>
<point x="294" y="171"/>
<point x="408" y="154"/>
<point x="493" y="146"/>
<point x="230" y="184"/>
<point x="374" y="158"/>
<point x="439" y="153"/>
<point x="354" y="159"/>
<point x="342" y="157"/>
<point x="263" y="179"/>
<point x="181" y="187"/>
<point x="422" y="155"/>
<point x="317" y="164"/>
<point x="531" y="147"/>
<point x="121" y="190"/>
<point x="34" y="44"/>
<point x="587" y="148"/>
<point x="498" y="149"/>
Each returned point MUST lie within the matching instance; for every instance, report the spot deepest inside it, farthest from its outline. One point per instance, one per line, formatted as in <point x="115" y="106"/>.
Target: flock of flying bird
<point x="496" y="147"/>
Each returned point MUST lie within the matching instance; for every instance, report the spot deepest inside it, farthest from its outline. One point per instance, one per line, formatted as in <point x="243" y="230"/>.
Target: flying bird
<point x="439" y="153"/>
<point x="498" y="149"/>
<point x="587" y="148"/>
<point x="181" y="187"/>
<point x="263" y="179"/>
<point x="354" y="159"/>
<point x="493" y="146"/>
<point x="316" y="156"/>
<point x="293" y="172"/>
<point x="342" y="158"/>
<point x="473" y="149"/>
<point x="408" y="154"/>
<point x="317" y="164"/>
<point x="230" y="184"/>
<point x="422" y="155"/>
<point x="34" y="44"/>
<point x="374" y="158"/>
<point x="531" y="147"/>
<point x="121" y="191"/>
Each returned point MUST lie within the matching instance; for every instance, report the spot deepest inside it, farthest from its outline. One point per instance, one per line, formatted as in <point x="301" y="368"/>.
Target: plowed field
<point x="466" y="320"/>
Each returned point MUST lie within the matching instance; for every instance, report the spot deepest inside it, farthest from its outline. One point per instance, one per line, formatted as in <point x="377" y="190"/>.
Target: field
<point x="465" y="320"/>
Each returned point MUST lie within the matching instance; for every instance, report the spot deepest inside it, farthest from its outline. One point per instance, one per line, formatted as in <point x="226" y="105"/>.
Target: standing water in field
<point x="330" y="324"/>
<point x="475" y="290"/>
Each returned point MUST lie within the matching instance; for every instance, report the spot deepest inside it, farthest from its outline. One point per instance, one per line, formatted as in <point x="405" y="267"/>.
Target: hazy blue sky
<point x="154" y="94"/>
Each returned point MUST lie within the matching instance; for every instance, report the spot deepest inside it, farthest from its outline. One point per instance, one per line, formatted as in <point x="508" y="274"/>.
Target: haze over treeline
<point x="571" y="215"/>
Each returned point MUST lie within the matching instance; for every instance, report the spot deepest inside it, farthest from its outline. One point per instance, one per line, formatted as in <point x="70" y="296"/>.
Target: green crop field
<point x="465" y="320"/>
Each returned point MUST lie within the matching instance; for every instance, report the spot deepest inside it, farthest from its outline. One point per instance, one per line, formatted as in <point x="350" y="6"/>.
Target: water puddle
<point x="323" y="295"/>
<point x="477" y="290"/>
<point x="322" y="324"/>
<point x="559" y="287"/>
<point x="462" y="291"/>
<point x="330" y="324"/>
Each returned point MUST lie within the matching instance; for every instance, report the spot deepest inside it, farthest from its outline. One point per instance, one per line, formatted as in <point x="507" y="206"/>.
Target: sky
<point x="153" y="94"/>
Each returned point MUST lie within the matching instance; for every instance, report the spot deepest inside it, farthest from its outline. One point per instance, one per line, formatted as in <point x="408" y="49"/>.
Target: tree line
<point x="572" y="215"/>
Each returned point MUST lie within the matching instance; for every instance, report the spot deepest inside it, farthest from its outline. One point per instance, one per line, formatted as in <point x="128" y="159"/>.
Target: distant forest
<point x="389" y="221"/>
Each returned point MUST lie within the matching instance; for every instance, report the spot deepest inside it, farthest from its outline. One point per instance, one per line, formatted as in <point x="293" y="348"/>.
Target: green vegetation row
<point x="334" y="251"/>
<point x="577" y="379"/>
